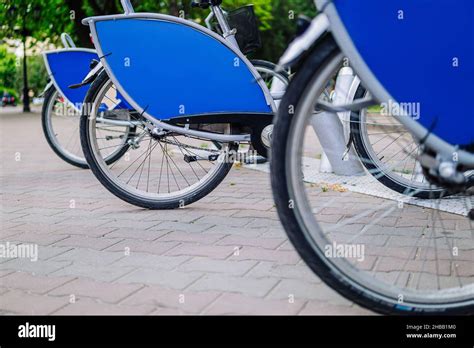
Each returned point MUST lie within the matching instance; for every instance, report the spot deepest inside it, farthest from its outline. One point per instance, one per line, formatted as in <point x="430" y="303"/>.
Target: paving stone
<point x="181" y="226"/>
<point x="207" y="265"/>
<point x="278" y="256"/>
<point x="270" y="269"/>
<point x="224" y="221"/>
<point x="237" y="231"/>
<point x="138" y="260"/>
<point x="85" y="306"/>
<point x="188" y="251"/>
<point x="39" y="267"/>
<point x="185" y="301"/>
<point x="48" y="252"/>
<point x="40" y="239"/>
<point x="88" y="242"/>
<point x="84" y="231"/>
<point x="199" y="238"/>
<point x="300" y="289"/>
<point x="96" y="272"/>
<point x="5" y="272"/>
<point x="87" y="256"/>
<point x="103" y="291"/>
<point x="247" y="286"/>
<point x="216" y="252"/>
<point x="19" y="302"/>
<point x="28" y="282"/>
<point x="137" y="246"/>
<point x="266" y="243"/>
<point x="129" y="223"/>
<point x="132" y="233"/>
<point x="165" y="278"/>
<point x="230" y="303"/>
<point x="321" y="308"/>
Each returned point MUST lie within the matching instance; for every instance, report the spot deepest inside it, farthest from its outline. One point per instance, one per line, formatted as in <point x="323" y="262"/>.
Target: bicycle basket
<point x="245" y="22"/>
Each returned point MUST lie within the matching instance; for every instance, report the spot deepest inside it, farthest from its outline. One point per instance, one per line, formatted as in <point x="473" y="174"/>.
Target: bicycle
<point x="62" y="105"/>
<point x="64" y="98"/>
<point x="393" y="256"/>
<point x="207" y="109"/>
<point x="385" y="148"/>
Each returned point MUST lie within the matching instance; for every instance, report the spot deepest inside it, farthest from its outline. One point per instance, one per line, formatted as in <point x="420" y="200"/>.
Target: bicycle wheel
<point x="61" y="128"/>
<point x="163" y="171"/>
<point x="60" y="123"/>
<point x="389" y="255"/>
<point x="261" y="136"/>
<point x="388" y="151"/>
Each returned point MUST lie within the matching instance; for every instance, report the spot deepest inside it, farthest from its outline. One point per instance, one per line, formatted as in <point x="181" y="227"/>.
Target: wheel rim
<point x="396" y="145"/>
<point x="368" y="227"/>
<point x="268" y="74"/>
<point x="63" y="129"/>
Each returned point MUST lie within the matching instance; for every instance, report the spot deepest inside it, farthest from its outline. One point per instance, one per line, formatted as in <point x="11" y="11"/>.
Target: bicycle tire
<point x="127" y="196"/>
<point x="45" y="115"/>
<point x="362" y="148"/>
<point x="313" y="65"/>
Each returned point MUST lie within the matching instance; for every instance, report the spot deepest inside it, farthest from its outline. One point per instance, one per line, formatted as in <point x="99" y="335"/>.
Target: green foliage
<point x="38" y="19"/>
<point x="284" y="14"/>
<point x="277" y="18"/>
<point x="37" y="75"/>
<point x="45" y="20"/>
<point x="7" y="68"/>
<point x="263" y="10"/>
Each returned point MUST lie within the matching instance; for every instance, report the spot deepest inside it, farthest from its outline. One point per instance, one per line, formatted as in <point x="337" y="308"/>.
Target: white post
<point x="333" y="135"/>
<point x="278" y="87"/>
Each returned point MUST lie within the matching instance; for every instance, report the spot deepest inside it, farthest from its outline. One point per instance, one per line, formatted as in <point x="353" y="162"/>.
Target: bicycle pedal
<point x="213" y="158"/>
<point x="112" y="137"/>
<point x="189" y="159"/>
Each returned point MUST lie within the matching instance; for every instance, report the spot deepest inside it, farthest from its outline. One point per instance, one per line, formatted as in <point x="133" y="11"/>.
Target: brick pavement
<point x="226" y="254"/>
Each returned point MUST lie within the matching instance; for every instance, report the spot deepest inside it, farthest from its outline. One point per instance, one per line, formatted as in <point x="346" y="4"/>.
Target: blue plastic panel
<point x="422" y="51"/>
<point x="173" y="70"/>
<point x="69" y="67"/>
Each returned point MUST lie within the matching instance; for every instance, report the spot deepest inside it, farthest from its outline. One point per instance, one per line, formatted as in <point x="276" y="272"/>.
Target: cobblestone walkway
<point x="226" y="254"/>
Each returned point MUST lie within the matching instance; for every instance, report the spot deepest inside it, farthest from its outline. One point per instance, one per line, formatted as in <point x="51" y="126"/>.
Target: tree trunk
<point x="81" y="31"/>
<point x="174" y="7"/>
<point x="99" y="7"/>
<point x="26" y="97"/>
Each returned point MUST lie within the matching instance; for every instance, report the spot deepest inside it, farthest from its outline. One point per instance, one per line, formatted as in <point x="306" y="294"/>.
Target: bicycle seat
<point x="205" y="4"/>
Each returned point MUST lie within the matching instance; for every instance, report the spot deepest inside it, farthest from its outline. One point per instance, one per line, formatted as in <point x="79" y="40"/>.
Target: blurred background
<point x="29" y="27"/>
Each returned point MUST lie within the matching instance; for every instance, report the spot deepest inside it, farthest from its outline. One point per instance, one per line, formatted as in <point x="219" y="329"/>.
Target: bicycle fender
<point x="67" y="66"/>
<point x="177" y="68"/>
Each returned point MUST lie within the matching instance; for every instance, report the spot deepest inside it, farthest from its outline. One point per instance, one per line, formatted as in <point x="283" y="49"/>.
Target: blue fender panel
<point x="421" y="51"/>
<point x="68" y="67"/>
<point x="174" y="70"/>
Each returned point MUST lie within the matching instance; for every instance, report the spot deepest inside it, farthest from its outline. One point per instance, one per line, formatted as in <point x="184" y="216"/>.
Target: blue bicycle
<point x="194" y="101"/>
<point x="62" y="105"/>
<point x="389" y="253"/>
